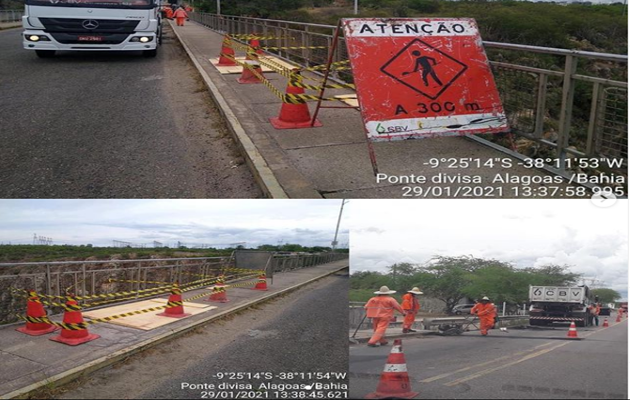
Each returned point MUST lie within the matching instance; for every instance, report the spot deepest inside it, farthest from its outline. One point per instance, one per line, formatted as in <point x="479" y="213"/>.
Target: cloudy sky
<point x="592" y="240"/>
<point x="306" y="222"/>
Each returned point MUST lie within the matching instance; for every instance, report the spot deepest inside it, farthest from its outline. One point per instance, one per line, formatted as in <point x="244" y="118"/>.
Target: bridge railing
<point x="562" y="103"/>
<point x="288" y="262"/>
<point x="10" y="15"/>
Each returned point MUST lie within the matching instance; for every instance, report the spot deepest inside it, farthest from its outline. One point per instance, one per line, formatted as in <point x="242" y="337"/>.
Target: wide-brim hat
<point x="485" y="298"/>
<point x="415" y="290"/>
<point x="385" y="290"/>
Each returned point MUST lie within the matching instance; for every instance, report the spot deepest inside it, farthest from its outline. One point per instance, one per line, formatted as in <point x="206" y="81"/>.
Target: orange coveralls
<point x="180" y="15"/>
<point x="486" y="313"/>
<point x="381" y="310"/>
<point x="412" y="306"/>
<point x="169" y="12"/>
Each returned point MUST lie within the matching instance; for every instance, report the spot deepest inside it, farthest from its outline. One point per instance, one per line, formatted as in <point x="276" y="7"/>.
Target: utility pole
<point x="334" y="242"/>
<point x="218" y="7"/>
<point x="356" y="7"/>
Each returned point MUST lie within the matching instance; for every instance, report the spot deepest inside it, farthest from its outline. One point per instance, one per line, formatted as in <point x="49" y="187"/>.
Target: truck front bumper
<point x="53" y="44"/>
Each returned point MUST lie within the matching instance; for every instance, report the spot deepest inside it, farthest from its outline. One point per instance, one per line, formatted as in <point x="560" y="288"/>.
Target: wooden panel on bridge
<point x="145" y="321"/>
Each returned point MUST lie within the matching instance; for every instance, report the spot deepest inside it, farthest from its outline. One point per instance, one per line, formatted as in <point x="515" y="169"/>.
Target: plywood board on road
<point x="237" y="69"/>
<point x="349" y="99"/>
<point x="144" y="321"/>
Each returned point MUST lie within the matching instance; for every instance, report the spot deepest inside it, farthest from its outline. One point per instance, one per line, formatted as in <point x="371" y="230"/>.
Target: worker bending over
<point x="411" y="305"/>
<point x="486" y="312"/>
<point x="381" y="310"/>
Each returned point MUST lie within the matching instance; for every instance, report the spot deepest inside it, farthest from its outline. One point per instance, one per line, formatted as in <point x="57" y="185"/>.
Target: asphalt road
<point x="302" y="332"/>
<point x="520" y="364"/>
<point x="112" y="125"/>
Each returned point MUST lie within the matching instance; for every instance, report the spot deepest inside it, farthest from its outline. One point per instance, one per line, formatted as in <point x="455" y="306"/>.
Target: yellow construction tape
<point x="132" y="281"/>
<point x="285" y="97"/>
<point x="249" y="36"/>
<point x="294" y="48"/>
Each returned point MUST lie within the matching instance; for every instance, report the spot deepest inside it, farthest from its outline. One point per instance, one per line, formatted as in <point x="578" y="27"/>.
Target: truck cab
<point x="92" y="25"/>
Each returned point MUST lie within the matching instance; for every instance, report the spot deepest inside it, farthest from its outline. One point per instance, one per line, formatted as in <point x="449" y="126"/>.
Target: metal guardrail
<point x="11" y="16"/>
<point x="84" y="278"/>
<point x="282" y="263"/>
<point x="538" y="93"/>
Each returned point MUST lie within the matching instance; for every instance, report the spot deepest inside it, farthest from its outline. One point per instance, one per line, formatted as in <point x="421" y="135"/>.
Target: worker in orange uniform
<point x="486" y="312"/>
<point x="381" y="310"/>
<point x="180" y="16"/>
<point x="169" y="12"/>
<point x="411" y="305"/>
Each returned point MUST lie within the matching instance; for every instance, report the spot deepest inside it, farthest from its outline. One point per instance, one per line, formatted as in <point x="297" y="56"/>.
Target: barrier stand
<point x="74" y="329"/>
<point x="251" y="69"/>
<point x="262" y="283"/>
<point x="219" y="295"/>
<point x="293" y="116"/>
<point x="175" y="305"/>
<point x="226" y="52"/>
<point x="35" y="309"/>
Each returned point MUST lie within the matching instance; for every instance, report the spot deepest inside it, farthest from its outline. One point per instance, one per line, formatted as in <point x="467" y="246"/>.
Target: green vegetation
<point x="33" y="253"/>
<point x="594" y="28"/>
<point x="606" y="295"/>
<point x="11" y="5"/>
<point x="452" y="279"/>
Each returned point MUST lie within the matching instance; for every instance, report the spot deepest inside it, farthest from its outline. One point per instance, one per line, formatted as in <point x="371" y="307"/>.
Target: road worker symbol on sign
<point x="423" y="68"/>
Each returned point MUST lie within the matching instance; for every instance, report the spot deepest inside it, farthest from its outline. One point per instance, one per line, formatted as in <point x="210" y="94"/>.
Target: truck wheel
<point x="149" y="53"/>
<point x="45" y="53"/>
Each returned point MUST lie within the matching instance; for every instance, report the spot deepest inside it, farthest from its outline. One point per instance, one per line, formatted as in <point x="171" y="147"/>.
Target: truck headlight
<point x="37" y="38"/>
<point x="143" y="39"/>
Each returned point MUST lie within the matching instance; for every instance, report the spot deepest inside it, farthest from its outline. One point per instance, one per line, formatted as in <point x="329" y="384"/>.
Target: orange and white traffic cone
<point x="572" y="331"/>
<point x="294" y="112"/>
<point x="618" y="317"/>
<point x="35" y="310"/>
<point x="262" y="283"/>
<point x="219" y="295"/>
<point x="227" y="56"/>
<point x="605" y="323"/>
<point x="394" y="382"/>
<point x="74" y="331"/>
<point x="175" y="304"/>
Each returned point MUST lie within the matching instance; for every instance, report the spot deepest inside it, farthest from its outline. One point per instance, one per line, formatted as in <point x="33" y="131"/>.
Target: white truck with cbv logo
<point x="92" y="25"/>
<point x="553" y="304"/>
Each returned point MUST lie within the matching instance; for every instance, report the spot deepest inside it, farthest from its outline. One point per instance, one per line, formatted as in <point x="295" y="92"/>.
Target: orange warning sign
<point x="420" y="78"/>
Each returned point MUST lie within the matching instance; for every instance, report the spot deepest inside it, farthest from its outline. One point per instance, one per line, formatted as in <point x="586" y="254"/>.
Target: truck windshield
<point x="142" y="4"/>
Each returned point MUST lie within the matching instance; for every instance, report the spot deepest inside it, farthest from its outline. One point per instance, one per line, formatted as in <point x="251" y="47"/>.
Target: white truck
<point x="549" y="304"/>
<point x="92" y="25"/>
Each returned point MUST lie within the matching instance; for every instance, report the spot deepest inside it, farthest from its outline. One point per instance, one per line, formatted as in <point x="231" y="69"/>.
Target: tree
<point x="606" y="295"/>
<point x="552" y="275"/>
<point x="445" y="278"/>
<point x="401" y="275"/>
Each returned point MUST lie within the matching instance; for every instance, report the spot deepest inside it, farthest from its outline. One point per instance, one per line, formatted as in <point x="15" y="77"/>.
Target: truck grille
<point x="68" y="30"/>
<point x="75" y="25"/>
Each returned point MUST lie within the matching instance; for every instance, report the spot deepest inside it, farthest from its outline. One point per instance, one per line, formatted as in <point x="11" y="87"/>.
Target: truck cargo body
<point x="556" y="304"/>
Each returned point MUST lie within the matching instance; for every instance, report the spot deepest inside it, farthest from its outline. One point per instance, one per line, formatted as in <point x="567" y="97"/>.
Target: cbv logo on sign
<point x="422" y="77"/>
